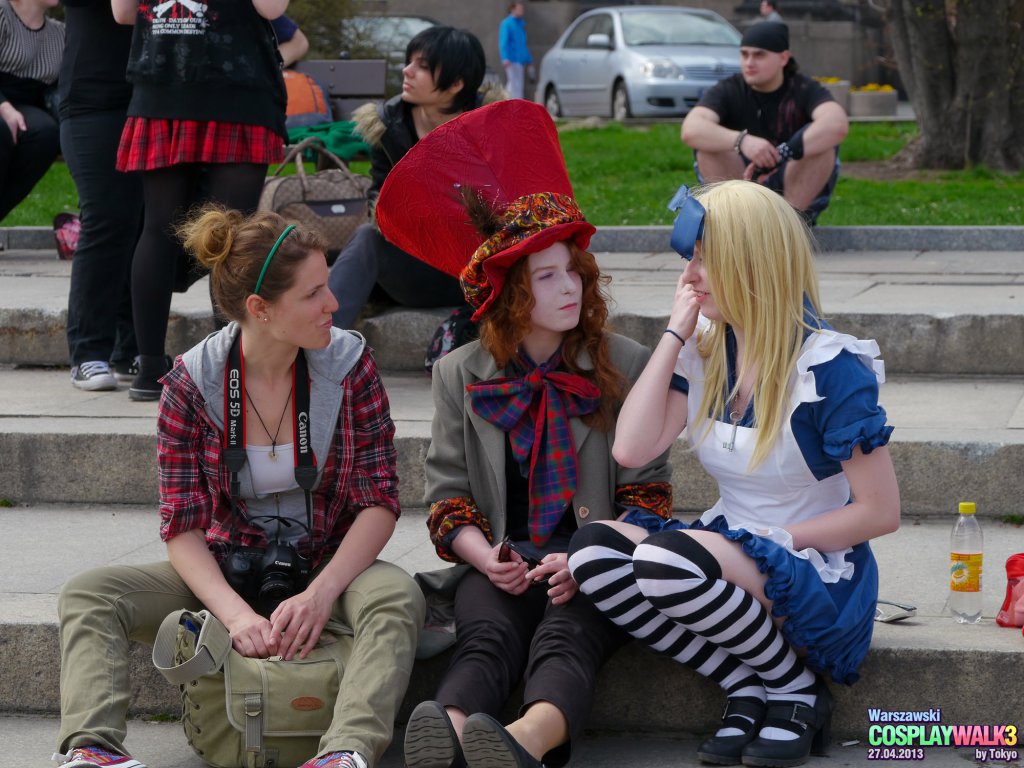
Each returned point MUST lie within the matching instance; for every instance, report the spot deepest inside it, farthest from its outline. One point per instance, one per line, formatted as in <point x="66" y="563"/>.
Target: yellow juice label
<point x="965" y="572"/>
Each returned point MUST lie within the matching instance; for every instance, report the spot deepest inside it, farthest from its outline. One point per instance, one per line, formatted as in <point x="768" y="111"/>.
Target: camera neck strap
<point x="234" y="428"/>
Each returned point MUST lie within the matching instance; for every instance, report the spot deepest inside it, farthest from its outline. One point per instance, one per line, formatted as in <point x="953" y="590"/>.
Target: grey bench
<point x="349" y="82"/>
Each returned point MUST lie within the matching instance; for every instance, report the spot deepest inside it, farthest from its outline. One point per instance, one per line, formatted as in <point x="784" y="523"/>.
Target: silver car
<point x="637" y="60"/>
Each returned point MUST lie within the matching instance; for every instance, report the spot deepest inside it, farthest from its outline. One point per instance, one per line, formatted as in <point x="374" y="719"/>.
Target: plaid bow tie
<point x="534" y="410"/>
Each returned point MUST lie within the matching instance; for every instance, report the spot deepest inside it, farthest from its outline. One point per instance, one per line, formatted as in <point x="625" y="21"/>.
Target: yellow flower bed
<point x="873" y="88"/>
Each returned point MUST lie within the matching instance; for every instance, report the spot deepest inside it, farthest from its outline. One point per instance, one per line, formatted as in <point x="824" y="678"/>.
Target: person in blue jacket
<point x="515" y="55"/>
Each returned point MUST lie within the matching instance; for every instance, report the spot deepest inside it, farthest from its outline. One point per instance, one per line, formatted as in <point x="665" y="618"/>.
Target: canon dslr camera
<point x="266" y="577"/>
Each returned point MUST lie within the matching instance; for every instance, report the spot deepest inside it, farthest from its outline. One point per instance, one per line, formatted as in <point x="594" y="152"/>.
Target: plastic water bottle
<point x="965" y="566"/>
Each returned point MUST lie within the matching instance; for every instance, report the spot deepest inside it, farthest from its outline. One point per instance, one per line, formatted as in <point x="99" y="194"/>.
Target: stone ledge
<point x="656" y="238"/>
<point x="120" y="468"/>
<point x="638" y="691"/>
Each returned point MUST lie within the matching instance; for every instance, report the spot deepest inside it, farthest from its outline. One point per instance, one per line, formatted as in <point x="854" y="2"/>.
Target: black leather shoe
<point x="488" y="745"/>
<point x="430" y="739"/>
<point x="727" y="750"/>
<point x="814" y="724"/>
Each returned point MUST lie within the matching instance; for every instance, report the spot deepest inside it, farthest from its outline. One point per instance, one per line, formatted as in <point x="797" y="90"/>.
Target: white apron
<point x="782" y="490"/>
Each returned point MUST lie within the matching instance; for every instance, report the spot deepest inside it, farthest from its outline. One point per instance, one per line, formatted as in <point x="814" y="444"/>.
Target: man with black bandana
<point x="770" y="124"/>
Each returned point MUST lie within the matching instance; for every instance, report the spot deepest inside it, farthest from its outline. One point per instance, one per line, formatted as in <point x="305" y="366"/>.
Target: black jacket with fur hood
<point x="388" y="128"/>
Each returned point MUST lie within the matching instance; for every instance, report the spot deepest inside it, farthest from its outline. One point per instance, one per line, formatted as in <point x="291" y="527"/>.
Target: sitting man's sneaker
<point x="95" y="757"/>
<point x="94" y="376"/>
<point x="125" y="370"/>
<point x="336" y="760"/>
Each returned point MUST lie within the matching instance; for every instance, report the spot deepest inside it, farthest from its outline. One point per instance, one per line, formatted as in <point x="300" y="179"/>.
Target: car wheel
<point x="551" y="102"/>
<point x="620" y="102"/>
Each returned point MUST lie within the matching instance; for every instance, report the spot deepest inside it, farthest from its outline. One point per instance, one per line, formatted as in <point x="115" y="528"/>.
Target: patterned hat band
<point x="524" y="218"/>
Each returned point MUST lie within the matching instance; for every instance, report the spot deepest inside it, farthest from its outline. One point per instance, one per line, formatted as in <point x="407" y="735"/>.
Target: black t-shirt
<point x="92" y="72"/>
<point x="773" y="116"/>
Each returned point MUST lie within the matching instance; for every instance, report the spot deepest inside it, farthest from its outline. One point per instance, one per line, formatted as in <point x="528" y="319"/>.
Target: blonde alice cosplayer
<point x="757" y="253"/>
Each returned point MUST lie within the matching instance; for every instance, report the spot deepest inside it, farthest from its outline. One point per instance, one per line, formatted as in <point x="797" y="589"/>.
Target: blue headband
<point x="689" y="226"/>
<point x="259" y="280"/>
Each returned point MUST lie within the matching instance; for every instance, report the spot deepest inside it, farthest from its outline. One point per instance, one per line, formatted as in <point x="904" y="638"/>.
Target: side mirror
<point x="599" y="40"/>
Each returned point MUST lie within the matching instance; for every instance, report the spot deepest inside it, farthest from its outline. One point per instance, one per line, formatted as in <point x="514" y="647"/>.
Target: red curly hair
<point x="507" y="323"/>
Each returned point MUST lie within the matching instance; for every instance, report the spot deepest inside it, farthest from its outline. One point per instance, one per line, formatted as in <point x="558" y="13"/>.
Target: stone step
<point x="931" y="311"/>
<point x="956" y="437"/>
<point x="917" y="664"/>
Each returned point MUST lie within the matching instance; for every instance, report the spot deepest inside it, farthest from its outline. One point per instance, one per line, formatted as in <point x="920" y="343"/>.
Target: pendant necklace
<point x="273" y="437"/>
<point x="734" y="417"/>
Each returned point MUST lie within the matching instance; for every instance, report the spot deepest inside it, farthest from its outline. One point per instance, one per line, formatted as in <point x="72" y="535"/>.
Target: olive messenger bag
<point x="241" y="712"/>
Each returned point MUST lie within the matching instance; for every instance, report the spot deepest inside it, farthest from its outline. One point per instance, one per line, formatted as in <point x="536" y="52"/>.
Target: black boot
<point x="742" y="714"/>
<point x="146" y="385"/>
<point x="813" y="724"/>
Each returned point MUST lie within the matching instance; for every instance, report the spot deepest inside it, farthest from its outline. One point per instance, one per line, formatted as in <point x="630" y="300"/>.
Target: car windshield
<point x="674" y="28"/>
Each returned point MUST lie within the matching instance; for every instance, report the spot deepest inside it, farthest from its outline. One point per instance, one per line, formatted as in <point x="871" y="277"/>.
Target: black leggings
<point x="169" y="194"/>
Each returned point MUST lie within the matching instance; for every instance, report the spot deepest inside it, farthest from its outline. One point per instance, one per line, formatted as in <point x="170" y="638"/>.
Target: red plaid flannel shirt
<point x="358" y="472"/>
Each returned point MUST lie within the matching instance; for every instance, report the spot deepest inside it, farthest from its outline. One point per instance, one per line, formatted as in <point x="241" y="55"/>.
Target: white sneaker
<point x="94" y="376"/>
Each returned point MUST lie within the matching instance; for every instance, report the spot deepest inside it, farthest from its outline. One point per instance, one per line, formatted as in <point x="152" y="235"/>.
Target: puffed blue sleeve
<point x="848" y="413"/>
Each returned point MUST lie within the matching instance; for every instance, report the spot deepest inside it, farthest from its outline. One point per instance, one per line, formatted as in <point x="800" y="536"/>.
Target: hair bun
<point x="210" y="235"/>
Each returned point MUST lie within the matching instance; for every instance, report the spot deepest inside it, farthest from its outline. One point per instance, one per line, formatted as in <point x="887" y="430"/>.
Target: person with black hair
<point x="770" y="124"/>
<point x="444" y="71"/>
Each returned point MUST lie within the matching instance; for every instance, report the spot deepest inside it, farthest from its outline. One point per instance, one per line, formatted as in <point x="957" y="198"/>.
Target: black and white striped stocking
<point x="601" y="561"/>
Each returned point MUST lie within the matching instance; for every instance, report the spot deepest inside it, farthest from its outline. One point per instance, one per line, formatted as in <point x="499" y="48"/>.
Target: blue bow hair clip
<point x="689" y="226"/>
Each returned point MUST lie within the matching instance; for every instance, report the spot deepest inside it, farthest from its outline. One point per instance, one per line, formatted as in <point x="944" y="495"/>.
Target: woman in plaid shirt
<point x="271" y="280"/>
<point x="520" y="453"/>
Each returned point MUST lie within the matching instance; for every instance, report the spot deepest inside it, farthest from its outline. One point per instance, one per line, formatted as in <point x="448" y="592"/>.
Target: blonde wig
<point x="757" y="254"/>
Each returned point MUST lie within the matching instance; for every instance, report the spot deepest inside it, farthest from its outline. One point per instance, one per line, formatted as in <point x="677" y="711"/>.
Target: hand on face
<point x="685" y="308"/>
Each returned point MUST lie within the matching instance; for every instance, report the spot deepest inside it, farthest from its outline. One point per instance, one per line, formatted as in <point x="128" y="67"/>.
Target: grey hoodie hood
<point x="206" y="362"/>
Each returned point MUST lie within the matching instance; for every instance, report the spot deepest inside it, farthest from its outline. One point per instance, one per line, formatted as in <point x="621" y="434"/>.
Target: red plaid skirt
<point x="151" y="143"/>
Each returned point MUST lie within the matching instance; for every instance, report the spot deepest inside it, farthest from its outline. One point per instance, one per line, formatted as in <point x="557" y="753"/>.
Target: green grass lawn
<point x="626" y="175"/>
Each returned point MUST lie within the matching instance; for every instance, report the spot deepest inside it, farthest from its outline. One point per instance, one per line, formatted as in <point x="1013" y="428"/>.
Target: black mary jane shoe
<point x="430" y="739"/>
<point x="488" y="745"/>
<point x="814" y="724"/>
<point x="727" y="750"/>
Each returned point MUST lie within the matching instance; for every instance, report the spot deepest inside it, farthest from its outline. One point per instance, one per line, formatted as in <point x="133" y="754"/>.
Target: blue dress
<point x="828" y="598"/>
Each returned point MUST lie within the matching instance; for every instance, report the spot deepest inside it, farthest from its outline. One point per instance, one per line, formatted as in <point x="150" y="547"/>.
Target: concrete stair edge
<point x="911" y="343"/>
<point x="637" y="689"/>
<point x="42" y="469"/>
<point x="656" y="238"/>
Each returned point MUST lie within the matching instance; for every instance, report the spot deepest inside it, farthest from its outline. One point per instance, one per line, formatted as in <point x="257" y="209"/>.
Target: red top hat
<point x="507" y="152"/>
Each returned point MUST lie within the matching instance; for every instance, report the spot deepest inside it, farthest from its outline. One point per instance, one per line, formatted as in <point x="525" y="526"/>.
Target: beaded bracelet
<point x="739" y="140"/>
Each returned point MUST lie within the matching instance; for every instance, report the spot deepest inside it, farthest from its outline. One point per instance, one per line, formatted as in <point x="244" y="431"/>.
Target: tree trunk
<point x="962" y="62"/>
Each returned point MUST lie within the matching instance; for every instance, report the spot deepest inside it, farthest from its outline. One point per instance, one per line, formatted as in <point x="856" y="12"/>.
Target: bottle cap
<point x="967" y="508"/>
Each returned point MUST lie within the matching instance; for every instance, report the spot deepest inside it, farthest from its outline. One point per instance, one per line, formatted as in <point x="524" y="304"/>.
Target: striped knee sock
<point x="683" y="581"/>
<point x="602" y="564"/>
